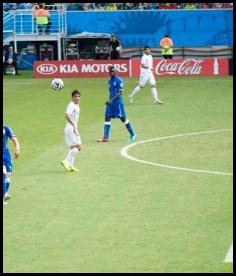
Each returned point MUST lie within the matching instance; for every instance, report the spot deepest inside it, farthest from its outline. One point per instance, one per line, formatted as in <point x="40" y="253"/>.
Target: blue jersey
<point x="116" y="109"/>
<point x="7" y="133"/>
<point x="115" y="85"/>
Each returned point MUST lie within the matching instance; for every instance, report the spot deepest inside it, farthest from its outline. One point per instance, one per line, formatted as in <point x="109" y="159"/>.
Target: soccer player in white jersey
<point x="146" y="76"/>
<point x="72" y="136"/>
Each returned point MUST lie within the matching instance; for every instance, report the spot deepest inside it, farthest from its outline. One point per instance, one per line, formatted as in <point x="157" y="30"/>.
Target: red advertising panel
<point x="79" y="68"/>
<point x="131" y="68"/>
<point x="185" y="67"/>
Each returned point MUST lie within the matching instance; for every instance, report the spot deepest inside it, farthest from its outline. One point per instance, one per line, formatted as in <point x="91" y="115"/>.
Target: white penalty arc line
<point x="229" y="256"/>
<point x="124" y="152"/>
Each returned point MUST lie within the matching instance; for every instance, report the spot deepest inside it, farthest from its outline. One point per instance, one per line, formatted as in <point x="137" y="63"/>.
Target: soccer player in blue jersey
<point x="115" y="106"/>
<point x="7" y="160"/>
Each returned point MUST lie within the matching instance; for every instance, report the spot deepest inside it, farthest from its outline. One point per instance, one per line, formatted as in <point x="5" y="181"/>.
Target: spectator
<point x="163" y="6"/>
<point x="99" y="6"/>
<point x="10" y="59"/>
<point x="147" y="6"/>
<point x="217" y="5"/>
<point x="111" y="7"/>
<point x="127" y="6"/>
<point x="228" y="5"/>
<point x="203" y="6"/>
<point x="115" y="47"/>
<point x="137" y="6"/>
<point x="85" y="6"/>
<point x="119" y="6"/>
<point x="42" y="19"/>
<point x="167" y="47"/>
<point x="190" y="6"/>
<point x="81" y="7"/>
<point x="173" y="6"/>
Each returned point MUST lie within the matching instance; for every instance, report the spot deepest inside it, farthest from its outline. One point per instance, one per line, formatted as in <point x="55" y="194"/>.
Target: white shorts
<point x="146" y="77"/>
<point x="70" y="137"/>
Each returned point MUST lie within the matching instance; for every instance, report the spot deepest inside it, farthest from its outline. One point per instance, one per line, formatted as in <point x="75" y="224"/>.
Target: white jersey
<point x="146" y="74"/>
<point x="74" y="110"/>
<point x="71" y="137"/>
<point x="146" y="60"/>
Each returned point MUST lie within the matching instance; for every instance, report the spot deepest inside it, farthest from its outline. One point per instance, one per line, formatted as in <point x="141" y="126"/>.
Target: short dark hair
<point x="75" y="92"/>
<point x="146" y="47"/>
<point x="112" y="68"/>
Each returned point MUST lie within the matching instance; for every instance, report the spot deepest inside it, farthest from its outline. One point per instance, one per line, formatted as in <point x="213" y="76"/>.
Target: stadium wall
<point x="187" y="28"/>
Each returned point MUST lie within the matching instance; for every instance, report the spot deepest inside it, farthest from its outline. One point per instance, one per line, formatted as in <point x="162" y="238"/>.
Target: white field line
<point x="229" y="256"/>
<point x="124" y="152"/>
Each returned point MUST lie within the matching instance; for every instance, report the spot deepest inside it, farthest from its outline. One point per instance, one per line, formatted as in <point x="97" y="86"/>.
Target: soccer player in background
<point x="146" y="75"/>
<point x="7" y="160"/>
<point x="115" y="107"/>
<point x="72" y="136"/>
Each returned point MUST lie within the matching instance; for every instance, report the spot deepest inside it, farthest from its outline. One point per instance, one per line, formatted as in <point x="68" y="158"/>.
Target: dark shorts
<point x="167" y="56"/>
<point x="115" y="110"/>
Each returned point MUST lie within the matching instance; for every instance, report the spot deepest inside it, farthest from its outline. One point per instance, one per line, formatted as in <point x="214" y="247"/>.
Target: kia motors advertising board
<point x="131" y="68"/>
<point x="81" y="68"/>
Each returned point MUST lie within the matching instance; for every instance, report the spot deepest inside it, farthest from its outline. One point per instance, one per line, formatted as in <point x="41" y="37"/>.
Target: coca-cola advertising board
<point x="80" y="68"/>
<point x="185" y="67"/>
<point x="131" y="68"/>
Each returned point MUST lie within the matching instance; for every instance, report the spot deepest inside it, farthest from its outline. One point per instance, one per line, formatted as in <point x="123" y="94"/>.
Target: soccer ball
<point x="118" y="49"/>
<point x="57" y="84"/>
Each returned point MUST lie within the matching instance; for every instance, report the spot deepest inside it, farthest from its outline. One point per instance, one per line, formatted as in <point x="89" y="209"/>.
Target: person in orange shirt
<point x="42" y="18"/>
<point x="166" y="44"/>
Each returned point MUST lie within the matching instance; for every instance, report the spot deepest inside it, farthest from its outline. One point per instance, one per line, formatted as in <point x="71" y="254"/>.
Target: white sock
<point x="71" y="155"/>
<point x="154" y="93"/>
<point x="135" y="91"/>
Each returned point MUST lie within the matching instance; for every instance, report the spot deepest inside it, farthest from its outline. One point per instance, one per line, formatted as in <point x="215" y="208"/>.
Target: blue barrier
<point x="187" y="28"/>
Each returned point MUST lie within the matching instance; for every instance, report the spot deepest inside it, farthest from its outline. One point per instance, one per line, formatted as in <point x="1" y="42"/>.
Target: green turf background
<point x="116" y="215"/>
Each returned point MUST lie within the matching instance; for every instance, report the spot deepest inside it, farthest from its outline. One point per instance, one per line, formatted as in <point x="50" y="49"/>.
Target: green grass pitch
<point x="117" y="215"/>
